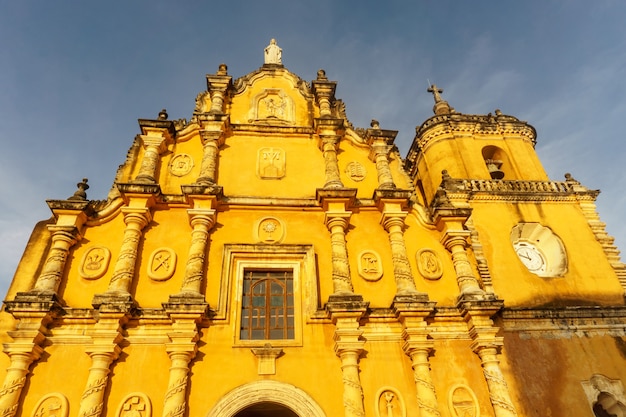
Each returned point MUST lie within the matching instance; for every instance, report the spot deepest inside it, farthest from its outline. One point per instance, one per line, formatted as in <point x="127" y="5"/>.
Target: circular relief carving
<point x="270" y="230"/>
<point x="429" y="264"/>
<point x="370" y="265"/>
<point x="162" y="264"/>
<point x="181" y="164"/>
<point x="54" y="404"/>
<point x="95" y="262"/>
<point x="355" y="171"/>
<point x="389" y="403"/>
<point x="463" y="402"/>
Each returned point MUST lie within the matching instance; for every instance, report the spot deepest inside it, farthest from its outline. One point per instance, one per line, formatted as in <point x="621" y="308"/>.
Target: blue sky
<point x="75" y="76"/>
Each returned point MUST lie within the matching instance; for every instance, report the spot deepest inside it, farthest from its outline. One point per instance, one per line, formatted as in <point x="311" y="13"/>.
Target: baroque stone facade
<point x="267" y="258"/>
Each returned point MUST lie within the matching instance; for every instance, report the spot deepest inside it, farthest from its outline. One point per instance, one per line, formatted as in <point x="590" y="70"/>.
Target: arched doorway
<point x="266" y="409"/>
<point x="264" y="399"/>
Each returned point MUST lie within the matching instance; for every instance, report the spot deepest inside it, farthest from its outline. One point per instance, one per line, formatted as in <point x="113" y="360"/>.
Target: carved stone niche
<point x="272" y="106"/>
<point x="271" y="163"/>
<point x="462" y="402"/>
<point x="53" y="404"/>
<point x="389" y="403"/>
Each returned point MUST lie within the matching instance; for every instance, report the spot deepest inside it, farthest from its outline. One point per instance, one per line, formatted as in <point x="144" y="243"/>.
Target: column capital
<point x="158" y="142"/>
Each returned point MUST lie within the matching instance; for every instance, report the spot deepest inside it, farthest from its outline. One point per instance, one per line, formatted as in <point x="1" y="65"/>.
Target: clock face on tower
<point x="531" y="256"/>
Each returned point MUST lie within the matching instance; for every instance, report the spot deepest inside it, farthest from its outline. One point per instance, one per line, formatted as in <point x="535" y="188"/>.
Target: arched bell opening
<point x="497" y="162"/>
<point x="608" y="406"/>
<point x="266" y="409"/>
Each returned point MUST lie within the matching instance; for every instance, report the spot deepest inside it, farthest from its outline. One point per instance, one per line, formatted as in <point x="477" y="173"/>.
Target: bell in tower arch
<point x="493" y="165"/>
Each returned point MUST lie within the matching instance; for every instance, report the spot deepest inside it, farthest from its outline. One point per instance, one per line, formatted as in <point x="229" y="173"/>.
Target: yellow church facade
<point x="268" y="258"/>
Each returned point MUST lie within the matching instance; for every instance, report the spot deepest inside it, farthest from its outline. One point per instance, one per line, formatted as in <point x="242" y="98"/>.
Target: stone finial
<point x="498" y="112"/>
<point x="321" y="75"/>
<point x="374" y="124"/>
<point x="441" y="106"/>
<point x="436" y="92"/>
<point x="163" y="115"/>
<point x="222" y="69"/>
<point x="80" y="194"/>
<point x="273" y="53"/>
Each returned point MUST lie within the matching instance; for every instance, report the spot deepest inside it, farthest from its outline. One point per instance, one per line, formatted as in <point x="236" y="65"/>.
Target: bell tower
<point x="488" y="147"/>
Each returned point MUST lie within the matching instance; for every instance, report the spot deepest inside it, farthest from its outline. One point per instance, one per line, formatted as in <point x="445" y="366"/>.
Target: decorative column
<point x="418" y="347"/>
<point x="381" y="143"/>
<point x="486" y="345"/>
<point x="25" y="348"/>
<point x="349" y="347"/>
<point x="181" y="349"/>
<point x="63" y="238"/>
<point x="135" y="219"/>
<point x="324" y="91"/>
<point x="391" y="203"/>
<point x="337" y="219"/>
<point x="211" y="143"/>
<point x="106" y="336"/>
<point x="157" y="135"/>
<point x="202" y="220"/>
<point x="137" y="214"/>
<point x="331" y="170"/>
<point x="217" y="86"/>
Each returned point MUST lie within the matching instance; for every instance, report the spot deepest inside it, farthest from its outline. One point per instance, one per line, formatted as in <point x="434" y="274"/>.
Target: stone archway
<point x="263" y="394"/>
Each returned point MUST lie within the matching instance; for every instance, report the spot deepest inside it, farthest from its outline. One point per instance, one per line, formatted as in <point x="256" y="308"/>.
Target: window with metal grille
<point x="267" y="311"/>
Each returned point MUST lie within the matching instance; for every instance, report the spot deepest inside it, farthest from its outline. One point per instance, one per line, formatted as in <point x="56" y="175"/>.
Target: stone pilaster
<point x="63" y="238"/>
<point x="201" y="220"/>
<point x="330" y="131"/>
<point x="324" y="91"/>
<point x="181" y="349"/>
<point x="70" y="216"/>
<point x="450" y="220"/>
<point x="391" y="203"/>
<point x="25" y="349"/>
<point x="337" y="219"/>
<point x="349" y="346"/>
<point x="381" y="143"/>
<point x="104" y="350"/>
<point x="418" y="346"/>
<point x="217" y="86"/>
<point x="487" y="345"/>
<point x="123" y="272"/>
<point x="156" y="136"/>
<point x="137" y="214"/>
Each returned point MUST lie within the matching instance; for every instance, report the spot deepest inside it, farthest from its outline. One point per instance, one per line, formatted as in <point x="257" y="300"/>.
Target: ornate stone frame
<point x="266" y="391"/>
<point x="299" y="258"/>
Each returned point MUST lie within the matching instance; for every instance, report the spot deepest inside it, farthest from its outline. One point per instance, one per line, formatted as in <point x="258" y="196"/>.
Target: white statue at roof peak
<point x="273" y="53"/>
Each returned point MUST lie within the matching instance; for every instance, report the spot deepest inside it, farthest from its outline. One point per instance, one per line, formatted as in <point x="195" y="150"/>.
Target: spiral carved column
<point x="136" y="220"/>
<point x="337" y="224"/>
<point x="175" y="397"/>
<point x="92" y="400"/>
<point x="498" y="389"/>
<point x="456" y="244"/>
<point x="210" y="143"/>
<point x="63" y="238"/>
<point x="154" y="147"/>
<point x="201" y="220"/>
<point x="329" y="149"/>
<point x="394" y="225"/>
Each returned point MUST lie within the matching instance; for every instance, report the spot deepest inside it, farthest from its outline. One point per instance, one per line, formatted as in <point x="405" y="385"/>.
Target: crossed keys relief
<point x="162" y="264"/>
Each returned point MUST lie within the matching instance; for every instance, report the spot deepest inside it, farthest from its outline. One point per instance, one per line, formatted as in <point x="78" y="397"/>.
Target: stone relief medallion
<point x="271" y="163"/>
<point x="95" y="262"/>
<point x="429" y="264"/>
<point x="370" y="265"/>
<point x="355" y="171"/>
<point x="389" y="403"/>
<point x="462" y="402"/>
<point x="181" y="164"/>
<point x="162" y="264"/>
<point x="51" y="405"/>
<point x="270" y="230"/>
<point x="136" y="404"/>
